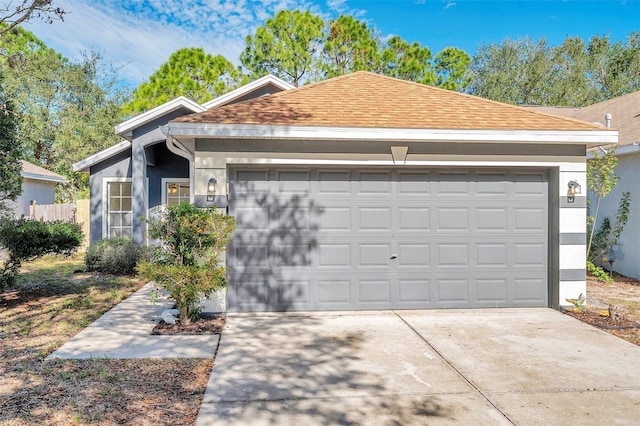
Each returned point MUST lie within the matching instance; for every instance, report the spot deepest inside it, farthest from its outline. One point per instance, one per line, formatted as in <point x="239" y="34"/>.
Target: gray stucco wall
<point x="118" y="166"/>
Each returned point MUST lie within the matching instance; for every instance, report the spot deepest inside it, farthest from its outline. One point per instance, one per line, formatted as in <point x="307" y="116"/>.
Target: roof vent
<point x="607" y="120"/>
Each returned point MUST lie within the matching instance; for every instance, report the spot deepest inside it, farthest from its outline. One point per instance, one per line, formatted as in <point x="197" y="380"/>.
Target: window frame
<point x="165" y="182"/>
<point x="106" y="204"/>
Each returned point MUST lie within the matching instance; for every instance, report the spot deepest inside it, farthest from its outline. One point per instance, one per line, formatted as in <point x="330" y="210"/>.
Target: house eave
<point x="266" y="132"/>
<point x="84" y="165"/>
<point x="633" y="148"/>
<point x="35" y="176"/>
<point x="125" y="129"/>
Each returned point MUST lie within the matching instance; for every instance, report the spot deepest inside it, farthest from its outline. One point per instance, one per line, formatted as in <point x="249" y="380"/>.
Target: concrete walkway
<point x="125" y="332"/>
<point x="481" y="367"/>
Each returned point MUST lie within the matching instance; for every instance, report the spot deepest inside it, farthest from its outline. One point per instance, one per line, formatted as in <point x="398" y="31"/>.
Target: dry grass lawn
<point x="52" y="304"/>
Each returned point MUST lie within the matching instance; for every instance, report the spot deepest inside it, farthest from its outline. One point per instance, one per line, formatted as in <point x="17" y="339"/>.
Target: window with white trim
<point x="119" y="213"/>
<point x="176" y="193"/>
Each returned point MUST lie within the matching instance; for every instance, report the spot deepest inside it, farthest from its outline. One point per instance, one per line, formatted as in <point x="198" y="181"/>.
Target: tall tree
<point x="452" y="69"/>
<point x="350" y="45"/>
<point x="406" y="61"/>
<point x="285" y="46"/>
<point x="14" y="13"/>
<point x="66" y="109"/>
<point x="10" y="178"/>
<point x="574" y="73"/>
<point x="189" y="72"/>
<point x="516" y="72"/>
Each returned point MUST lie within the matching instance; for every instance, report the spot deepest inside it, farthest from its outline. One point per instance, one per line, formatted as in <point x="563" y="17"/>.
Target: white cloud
<point x="140" y="35"/>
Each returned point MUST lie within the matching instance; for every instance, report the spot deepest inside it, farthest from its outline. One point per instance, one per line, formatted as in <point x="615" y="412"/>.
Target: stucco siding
<point x="118" y="166"/>
<point x="628" y="259"/>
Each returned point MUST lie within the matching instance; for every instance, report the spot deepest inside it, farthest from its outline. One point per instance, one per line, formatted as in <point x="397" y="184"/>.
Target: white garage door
<point x="345" y="239"/>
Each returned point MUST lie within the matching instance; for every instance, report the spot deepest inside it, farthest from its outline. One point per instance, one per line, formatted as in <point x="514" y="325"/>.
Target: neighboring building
<point x="38" y="185"/>
<point x="365" y="192"/>
<point x="624" y="116"/>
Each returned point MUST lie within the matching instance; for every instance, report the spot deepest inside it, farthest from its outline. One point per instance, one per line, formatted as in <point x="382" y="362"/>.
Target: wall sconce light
<point x="211" y="189"/>
<point x="574" y="188"/>
<point x="173" y="188"/>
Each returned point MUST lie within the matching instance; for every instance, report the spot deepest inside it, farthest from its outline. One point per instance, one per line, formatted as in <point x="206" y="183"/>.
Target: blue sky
<point x="139" y="35"/>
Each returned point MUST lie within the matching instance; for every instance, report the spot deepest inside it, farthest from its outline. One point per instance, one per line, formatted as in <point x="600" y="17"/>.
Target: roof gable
<point x="367" y="100"/>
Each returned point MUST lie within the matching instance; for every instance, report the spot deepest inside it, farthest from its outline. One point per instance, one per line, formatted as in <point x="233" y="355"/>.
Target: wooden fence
<point x="77" y="212"/>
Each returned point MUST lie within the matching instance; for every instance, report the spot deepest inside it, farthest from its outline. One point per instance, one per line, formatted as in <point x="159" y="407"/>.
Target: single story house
<point x="623" y="114"/>
<point x="364" y="192"/>
<point x="38" y="185"/>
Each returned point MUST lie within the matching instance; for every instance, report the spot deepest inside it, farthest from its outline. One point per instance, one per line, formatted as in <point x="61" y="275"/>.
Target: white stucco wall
<point x="628" y="169"/>
<point x="42" y="191"/>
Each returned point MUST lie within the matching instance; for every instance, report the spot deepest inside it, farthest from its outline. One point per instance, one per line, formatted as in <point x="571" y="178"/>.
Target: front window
<point x="119" y="209"/>
<point x="177" y="192"/>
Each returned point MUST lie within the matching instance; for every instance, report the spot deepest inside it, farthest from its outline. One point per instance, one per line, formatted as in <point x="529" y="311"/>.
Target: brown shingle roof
<point x="367" y="100"/>
<point x="625" y="111"/>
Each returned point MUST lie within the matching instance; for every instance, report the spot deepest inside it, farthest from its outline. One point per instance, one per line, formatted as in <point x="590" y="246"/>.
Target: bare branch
<point x="12" y="14"/>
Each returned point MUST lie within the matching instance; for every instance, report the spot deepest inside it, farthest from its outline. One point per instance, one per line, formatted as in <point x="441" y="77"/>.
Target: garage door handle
<point x="393" y="256"/>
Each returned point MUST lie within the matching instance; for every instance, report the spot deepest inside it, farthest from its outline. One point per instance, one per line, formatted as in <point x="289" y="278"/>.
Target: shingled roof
<point x="625" y="112"/>
<point x="367" y="100"/>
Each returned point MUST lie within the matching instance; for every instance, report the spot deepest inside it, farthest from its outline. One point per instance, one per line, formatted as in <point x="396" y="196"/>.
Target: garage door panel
<point x="374" y="291"/>
<point x="494" y="255"/>
<point x="414" y="219"/>
<point x="413" y="292"/>
<point x="413" y="184"/>
<point x="492" y="219"/>
<point x="413" y="255"/>
<point x="335" y="219"/>
<point x="530" y="219"/>
<point x="339" y="239"/>
<point x="334" y="292"/>
<point x="293" y="182"/>
<point x="491" y="290"/>
<point x="374" y="183"/>
<point x="374" y="255"/>
<point x="452" y="255"/>
<point x="294" y="217"/>
<point x="334" y="183"/>
<point x="373" y="218"/>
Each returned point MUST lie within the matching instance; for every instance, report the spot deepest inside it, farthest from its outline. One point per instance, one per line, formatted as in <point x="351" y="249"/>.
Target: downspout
<point x="178" y="149"/>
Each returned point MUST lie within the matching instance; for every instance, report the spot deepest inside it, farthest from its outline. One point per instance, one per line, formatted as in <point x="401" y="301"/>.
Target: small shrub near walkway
<point x="50" y="305"/>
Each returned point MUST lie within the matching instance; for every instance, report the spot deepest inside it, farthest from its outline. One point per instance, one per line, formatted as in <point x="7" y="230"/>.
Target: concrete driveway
<point x="509" y="366"/>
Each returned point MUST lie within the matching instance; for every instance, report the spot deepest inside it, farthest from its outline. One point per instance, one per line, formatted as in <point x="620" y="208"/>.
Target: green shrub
<point x="27" y="239"/>
<point x="599" y="273"/>
<point x="116" y="256"/>
<point x="188" y="262"/>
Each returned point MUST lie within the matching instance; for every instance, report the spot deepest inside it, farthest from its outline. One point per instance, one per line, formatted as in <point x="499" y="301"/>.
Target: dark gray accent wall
<point x="117" y="166"/>
<point x="163" y="163"/>
<point x="569" y="239"/>
<point x="554" y="238"/>
<point x="378" y="147"/>
<point x="579" y="202"/>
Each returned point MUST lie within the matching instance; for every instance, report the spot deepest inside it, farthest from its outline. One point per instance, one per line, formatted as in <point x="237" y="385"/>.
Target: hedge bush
<point x="28" y="239"/>
<point x="116" y="256"/>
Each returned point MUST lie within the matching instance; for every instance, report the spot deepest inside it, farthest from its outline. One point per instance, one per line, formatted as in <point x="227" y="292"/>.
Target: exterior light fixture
<point x="574" y="188"/>
<point x="211" y="189"/>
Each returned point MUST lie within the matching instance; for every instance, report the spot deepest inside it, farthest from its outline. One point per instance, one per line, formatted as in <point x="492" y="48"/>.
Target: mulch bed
<point x="616" y="325"/>
<point x="203" y="325"/>
<point x="603" y="321"/>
